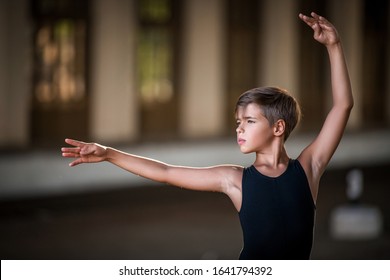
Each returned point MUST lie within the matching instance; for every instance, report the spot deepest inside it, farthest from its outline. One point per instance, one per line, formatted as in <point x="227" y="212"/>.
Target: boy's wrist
<point x="334" y="45"/>
<point x="109" y="154"/>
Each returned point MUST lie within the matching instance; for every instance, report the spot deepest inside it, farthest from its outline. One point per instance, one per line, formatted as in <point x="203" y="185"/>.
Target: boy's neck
<point x="273" y="160"/>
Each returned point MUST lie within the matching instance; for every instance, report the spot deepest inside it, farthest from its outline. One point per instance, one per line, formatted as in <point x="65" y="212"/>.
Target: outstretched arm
<point x="222" y="178"/>
<point x="317" y="155"/>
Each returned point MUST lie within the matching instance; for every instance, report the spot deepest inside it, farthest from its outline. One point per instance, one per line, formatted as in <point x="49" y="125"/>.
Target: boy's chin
<point x="245" y="151"/>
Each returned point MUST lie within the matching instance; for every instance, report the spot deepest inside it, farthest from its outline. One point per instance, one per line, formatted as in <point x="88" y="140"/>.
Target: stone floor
<point x="162" y="222"/>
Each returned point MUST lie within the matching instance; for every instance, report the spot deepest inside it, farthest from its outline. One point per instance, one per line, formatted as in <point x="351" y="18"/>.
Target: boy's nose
<point x="239" y="129"/>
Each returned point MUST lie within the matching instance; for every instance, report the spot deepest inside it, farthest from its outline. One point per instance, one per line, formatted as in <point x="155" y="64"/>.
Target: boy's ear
<point x="279" y="127"/>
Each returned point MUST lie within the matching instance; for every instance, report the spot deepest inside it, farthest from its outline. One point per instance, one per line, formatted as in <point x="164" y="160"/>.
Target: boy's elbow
<point x="345" y="107"/>
<point x="349" y="105"/>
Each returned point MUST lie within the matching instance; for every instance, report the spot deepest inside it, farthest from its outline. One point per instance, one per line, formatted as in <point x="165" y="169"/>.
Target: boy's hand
<point x="324" y="31"/>
<point x="84" y="152"/>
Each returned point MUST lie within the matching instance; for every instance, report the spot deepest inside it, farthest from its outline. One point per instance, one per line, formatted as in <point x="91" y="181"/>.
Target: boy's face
<point x="254" y="134"/>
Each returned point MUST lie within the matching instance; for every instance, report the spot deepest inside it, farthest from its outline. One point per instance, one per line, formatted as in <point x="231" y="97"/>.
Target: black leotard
<point x="277" y="214"/>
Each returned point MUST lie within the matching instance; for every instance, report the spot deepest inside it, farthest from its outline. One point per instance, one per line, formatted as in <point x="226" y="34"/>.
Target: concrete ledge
<point x="47" y="173"/>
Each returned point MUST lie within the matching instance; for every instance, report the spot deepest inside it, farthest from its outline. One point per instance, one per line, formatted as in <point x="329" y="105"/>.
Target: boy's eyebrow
<point x="246" y="118"/>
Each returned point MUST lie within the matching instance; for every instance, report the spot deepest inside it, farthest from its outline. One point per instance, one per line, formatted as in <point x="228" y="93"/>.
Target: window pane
<point x="155" y="67"/>
<point x="59" y="62"/>
<point x="59" y="89"/>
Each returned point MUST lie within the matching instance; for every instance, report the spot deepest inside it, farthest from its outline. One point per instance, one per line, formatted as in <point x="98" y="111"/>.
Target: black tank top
<point x="277" y="214"/>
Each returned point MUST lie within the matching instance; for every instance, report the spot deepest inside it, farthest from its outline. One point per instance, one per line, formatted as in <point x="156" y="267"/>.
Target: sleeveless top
<point x="277" y="214"/>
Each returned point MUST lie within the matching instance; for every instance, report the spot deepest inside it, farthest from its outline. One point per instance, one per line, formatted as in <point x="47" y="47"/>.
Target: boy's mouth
<point x="240" y="141"/>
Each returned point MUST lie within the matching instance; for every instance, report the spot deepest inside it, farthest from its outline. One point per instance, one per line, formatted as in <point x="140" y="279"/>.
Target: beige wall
<point x="15" y="75"/>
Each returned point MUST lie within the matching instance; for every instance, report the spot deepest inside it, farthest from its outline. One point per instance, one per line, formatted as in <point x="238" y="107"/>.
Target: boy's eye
<point x="251" y="121"/>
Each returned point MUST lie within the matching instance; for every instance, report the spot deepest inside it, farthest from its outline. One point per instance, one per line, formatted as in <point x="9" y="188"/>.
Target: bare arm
<point x="222" y="178"/>
<point x="317" y="155"/>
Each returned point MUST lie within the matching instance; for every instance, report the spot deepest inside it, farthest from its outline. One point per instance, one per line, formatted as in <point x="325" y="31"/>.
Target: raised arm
<point x="317" y="155"/>
<point x="222" y="178"/>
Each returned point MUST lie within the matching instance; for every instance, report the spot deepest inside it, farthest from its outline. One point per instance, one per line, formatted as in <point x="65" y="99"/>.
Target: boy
<point x="276" y="196"/>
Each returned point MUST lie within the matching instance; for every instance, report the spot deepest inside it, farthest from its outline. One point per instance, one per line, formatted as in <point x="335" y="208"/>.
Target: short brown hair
<point x="276" y="104"/>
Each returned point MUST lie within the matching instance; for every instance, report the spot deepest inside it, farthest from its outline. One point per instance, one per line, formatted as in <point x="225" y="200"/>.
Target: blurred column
<point x="388" y="71"/>
<point x="3" y="73"/>
<point x="15" y="65"/>
<point x="279" y="39"/>
<point x="113" y="99"/>
<point x="202" y="86"/>
<point x="348" y="18"/>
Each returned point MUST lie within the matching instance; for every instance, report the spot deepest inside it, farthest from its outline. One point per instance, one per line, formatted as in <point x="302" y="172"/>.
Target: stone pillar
<point x="278" y="60"/>
<point x="15" y="74"/>
<point x="112" y="92"/>
<point x="388" y="70"/>
<point x="351" y="32"/>
<point x="203" y="69"/>
<point x="3" y="73"/>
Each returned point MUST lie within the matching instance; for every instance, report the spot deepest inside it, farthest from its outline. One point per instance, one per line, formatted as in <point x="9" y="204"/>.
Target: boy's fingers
<point x="317" y="30"/>
<point x="324" y="20"/>
<point x="314" y="15"/>
<point x="70" y="150"/>
<point x="327" y="26"/>
<point x="313" y="19"/>
<point x="74" y="152"/>
<point x="70" y="155"/>
<point x="309" y="21"/>
<point x="304" y="18"/>
<point x="87" y="150"/>
<point x="75" y="162"/>
<point x="74" y="142"/>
